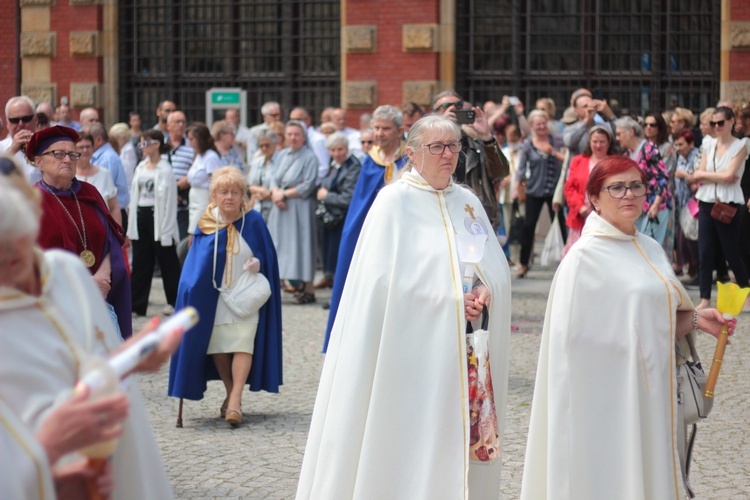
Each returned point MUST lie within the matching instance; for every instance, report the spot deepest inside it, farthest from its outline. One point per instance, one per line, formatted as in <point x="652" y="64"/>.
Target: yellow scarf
<point x="210" y="224"/>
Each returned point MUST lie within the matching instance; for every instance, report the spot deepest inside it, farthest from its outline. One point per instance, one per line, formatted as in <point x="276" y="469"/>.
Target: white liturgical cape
<point x="604" y="413"/>
<point x="391" y="417"/>
<point x="44" y="343"/>
<point x="24" y="468"/>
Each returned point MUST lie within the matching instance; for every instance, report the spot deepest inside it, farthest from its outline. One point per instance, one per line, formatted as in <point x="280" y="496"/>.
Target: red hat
<point x="47" y="137"/>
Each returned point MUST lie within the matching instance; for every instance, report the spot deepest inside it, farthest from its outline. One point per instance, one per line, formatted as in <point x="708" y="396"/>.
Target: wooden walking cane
<point x="729" y="301"/>
<point x="179" y="416"/>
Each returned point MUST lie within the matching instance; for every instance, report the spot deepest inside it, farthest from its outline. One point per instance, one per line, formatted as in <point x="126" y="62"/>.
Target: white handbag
<point x="249" y="292"/>
<point x="691" y="381"/>
<point x="247" y="295"/>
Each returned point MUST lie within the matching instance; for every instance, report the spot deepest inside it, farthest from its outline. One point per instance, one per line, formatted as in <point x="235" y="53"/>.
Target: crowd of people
<point x="384" y="212"/>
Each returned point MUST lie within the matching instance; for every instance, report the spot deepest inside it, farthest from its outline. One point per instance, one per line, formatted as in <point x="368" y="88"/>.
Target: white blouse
<point x="727" y="193"/>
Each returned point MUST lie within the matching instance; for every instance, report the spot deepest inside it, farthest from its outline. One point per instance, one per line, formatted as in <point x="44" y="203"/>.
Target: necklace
<point x="87" y="256"/>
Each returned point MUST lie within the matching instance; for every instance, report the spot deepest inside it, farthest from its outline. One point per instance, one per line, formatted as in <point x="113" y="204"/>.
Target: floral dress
<point x="649" y="160"/>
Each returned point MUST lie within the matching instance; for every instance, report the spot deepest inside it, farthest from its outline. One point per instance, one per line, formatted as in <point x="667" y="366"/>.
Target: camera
<point x="514" y="101"/>
<point x="464" y="116"/>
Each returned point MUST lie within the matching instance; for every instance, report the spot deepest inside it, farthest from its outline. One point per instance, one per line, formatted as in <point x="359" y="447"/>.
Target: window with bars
<point x="277" y="50"/>
<point x="645" y="54"/>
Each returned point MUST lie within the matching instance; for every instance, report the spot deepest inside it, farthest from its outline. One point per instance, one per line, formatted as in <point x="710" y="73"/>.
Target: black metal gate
<point x="278" y="50"/>
<point x="646" y="54"/>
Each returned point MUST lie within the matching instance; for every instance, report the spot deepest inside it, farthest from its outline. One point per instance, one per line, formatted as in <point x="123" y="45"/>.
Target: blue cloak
<point x="191" y="367"/>
<point x="371" y="180"/>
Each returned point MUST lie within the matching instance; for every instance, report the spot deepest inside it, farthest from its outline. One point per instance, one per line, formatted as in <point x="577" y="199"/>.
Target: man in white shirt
<point x="271" y="112"/>
<point x="241" y="132"/>
<point x="22" y="124"/>
<point x="352" y="135"/>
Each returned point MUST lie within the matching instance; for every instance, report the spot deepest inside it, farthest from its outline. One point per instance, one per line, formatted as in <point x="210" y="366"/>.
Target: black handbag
<point x="329" y="220"/>
<point x="517" y="232"/>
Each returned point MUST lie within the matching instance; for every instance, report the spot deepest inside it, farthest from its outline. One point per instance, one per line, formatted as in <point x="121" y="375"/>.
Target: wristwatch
<point x="489" y="142"/>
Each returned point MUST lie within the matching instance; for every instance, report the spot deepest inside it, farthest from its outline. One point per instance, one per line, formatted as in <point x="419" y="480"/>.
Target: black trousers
<point x="534" y="207"/>
<point x="145" y="252"/>
<point x="714" y="236"/>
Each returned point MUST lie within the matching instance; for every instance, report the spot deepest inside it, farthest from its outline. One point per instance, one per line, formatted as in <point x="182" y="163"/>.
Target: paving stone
<point x="261" y="459"/>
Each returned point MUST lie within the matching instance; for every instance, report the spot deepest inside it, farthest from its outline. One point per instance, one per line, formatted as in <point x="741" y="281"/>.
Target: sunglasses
<point x="649" y="124"/>
<point x="719" y="123"/>
<point x="25" y="119"/>
<point x="446" y="105"/>
<point x="145" y="144"/>
<point x="368" y="142"/>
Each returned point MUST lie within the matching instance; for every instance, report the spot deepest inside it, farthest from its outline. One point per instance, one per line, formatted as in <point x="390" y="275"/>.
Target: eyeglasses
<point x="145" y="144"/>
<point x="618" y="191"/>
<point x="265" y="145"/>
<point x="651" y="124"/>
<point x="457" y="104"/>
<point x="438" y="148"/>
<point x="60" y="154"/>
<point x="719" y="123"/>
<point x="25" y="119"/>
<point x="368" y="142"/>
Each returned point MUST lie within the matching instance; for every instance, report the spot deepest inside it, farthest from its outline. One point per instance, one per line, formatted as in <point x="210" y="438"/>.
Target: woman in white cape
<point x="604" y="414"/>
<point x="53" y="324"/>
<point x="391" y="418"/>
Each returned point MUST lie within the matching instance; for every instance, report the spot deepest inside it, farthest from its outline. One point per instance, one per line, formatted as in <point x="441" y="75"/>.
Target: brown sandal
<point x="234" y="417"/>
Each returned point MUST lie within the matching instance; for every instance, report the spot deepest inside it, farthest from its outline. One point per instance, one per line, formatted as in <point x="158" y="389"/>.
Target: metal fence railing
<point x="281" y="50"/>
<point x="646" y="54"/>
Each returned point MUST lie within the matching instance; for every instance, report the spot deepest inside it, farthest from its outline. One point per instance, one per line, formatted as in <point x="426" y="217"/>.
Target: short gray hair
<point x="266" y="108"/>
<point x="335" y="139"/>
<point x="389" y="113"/>
<point x="434" y="122"/>
<point x="627" y="123"/>
<point x="20" y="98"/>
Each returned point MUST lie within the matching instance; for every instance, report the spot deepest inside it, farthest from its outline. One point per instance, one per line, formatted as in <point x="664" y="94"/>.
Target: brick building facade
<point x="392" y="51"/>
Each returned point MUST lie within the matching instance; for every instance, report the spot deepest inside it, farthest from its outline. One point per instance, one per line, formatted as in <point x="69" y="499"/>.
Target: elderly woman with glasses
<point x="605" y="404"/>
<point x="76" y="218"/>
<point x="261" y="172"/>
<point x="657" y="205"/>
<point x="154" y="232"/>
<point x="230" y="243"/>
<point x="406" y="431"/>
<point x="719" y="173"/>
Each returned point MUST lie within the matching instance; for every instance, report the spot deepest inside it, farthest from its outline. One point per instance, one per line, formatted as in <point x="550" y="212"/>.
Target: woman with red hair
<point x="605" y="379"/>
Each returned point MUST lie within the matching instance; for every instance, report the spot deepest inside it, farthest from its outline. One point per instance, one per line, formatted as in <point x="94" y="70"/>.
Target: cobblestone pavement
<point x="261" y="459"/>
